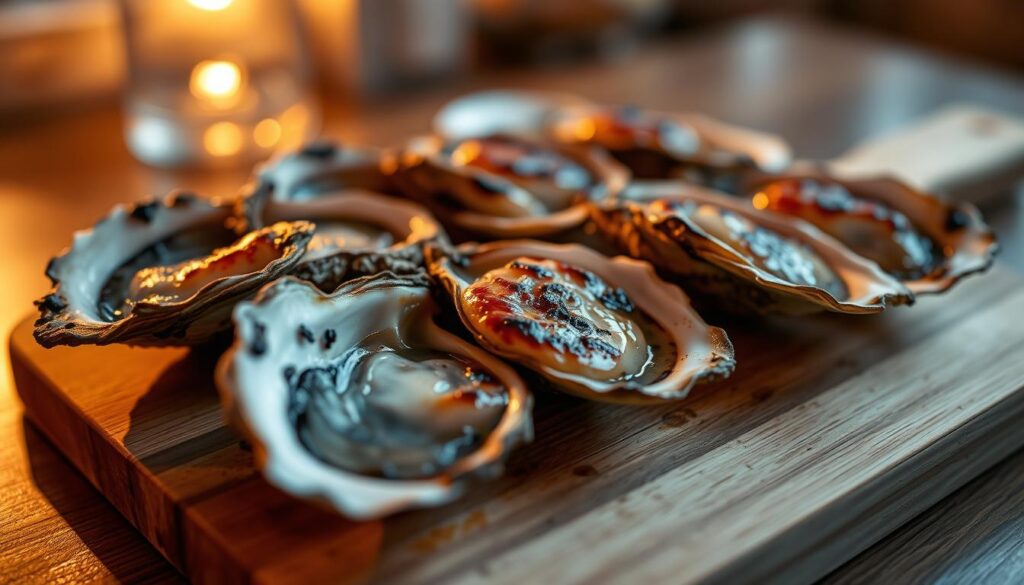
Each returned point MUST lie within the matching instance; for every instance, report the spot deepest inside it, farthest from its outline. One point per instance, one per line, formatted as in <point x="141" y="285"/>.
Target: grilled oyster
<point x="659" y="145"/>
<point x="923" y="241"/>
<point x="602" y="328"/>
<point x="744" y="258"/>
<point x="161" y="273"/>
<point x="359" y="399"/>
<point x="500" y="186"/>
<point x="358" y="233"/>
<point x="653" y="145"/>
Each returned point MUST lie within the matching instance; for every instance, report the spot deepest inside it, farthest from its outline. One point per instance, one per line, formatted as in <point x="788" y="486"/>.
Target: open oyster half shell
<point x="653" y="145"/>
<point x="504" y="111"/>
<point x="325" y="166"/>
<point x="927" y="243"/>
<point x="739" y="257"/>
<point x="358" y="232"/>
<point x="662" y="145"/>
<point x="159" y="273"/>
<point x="505" y="186"/>
<point x="602" y="328"/>
<point x="359" y="400"/>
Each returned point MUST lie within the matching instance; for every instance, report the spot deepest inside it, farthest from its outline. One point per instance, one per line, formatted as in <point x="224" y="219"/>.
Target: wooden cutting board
<point x="833" y="431"/>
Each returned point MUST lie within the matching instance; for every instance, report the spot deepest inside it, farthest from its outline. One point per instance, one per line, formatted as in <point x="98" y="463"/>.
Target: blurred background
<point x="61" y="55"/>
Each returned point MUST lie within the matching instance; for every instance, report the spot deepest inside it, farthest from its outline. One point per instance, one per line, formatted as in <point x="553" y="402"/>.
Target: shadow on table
<point x="109" y="537"/>
<point x="178" y="420"/>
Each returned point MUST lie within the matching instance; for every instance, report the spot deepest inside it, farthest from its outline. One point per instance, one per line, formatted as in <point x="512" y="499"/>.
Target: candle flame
<point x="217" y="82"/>
<point x="211" y="5"/>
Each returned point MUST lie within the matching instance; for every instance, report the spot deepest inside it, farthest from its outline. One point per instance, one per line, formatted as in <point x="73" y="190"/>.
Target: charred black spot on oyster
<point x="957" y="220"/>
<point x="330" y="336"/>
<point x="320" y="149"/>
<point x="258" y="342"/>
<point x="405" y="414"/>
<point x="182" y="199"/>
<point x="145" y="212"/>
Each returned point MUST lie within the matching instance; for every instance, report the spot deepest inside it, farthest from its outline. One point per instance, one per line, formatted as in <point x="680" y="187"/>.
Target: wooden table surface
<point x="825" y="88"/>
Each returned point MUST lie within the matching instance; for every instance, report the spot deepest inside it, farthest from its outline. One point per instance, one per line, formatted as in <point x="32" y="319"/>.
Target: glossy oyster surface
<point x="661" y="145"/>
<point x="742" y="257"/>
<point x="360" y="400"/>
<point x="500" y="185"/>
<point x="165" y="272"/>
<point x="603" y="328"/>
<point x="358" y="233"/>
<point x="925" y="242"/>
<point x="321" y="167"/>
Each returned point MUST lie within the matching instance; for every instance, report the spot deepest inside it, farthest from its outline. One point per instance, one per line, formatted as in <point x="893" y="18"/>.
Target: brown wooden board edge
<point x="808" y="551"/>
<point x="167" y="526"/>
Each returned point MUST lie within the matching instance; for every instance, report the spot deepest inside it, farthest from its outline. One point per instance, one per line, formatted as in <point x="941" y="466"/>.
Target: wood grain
<point x="832" y="433"/>
<point x="974" y="536"/>
<point x="823" y="87"/>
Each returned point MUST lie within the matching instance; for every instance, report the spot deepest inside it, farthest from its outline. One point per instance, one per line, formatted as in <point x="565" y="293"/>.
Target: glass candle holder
<point x="215" y="82"/>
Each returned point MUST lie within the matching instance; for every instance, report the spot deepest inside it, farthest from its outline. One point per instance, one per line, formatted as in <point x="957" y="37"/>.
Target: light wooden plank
<point x="699" y="517"/>
<point x="609" y="487"/>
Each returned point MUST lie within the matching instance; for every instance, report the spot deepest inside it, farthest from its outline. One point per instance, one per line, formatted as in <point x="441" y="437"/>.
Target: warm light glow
<point x="760" y="201"/>
<point x="266" y="133"/>
<point x="211" y="5"/>
<point x="294" y="121"/>
<point x="223" y="139"/>
<point x="585" y="130"/>
<point x="216" y="81"/>
<point x="466" y="153"/>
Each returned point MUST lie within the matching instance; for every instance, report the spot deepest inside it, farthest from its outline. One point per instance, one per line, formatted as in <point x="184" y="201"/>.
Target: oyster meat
<point x="741" y="257"/>
<point x="358" y="398"/>
<point x="923" y="241"/>
<point x="506" y="186"/>
<point x="603" y="328"/>
<point x="161" y="273"/>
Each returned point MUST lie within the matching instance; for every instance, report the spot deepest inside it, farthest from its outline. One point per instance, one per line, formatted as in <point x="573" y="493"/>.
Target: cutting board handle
<point x="962" y="150"/>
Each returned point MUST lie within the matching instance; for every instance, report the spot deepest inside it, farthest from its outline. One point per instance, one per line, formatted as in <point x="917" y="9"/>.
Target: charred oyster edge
<point x="423" y="169"/>
<point x="69" y="311"/>
<point x="645" y="235"/>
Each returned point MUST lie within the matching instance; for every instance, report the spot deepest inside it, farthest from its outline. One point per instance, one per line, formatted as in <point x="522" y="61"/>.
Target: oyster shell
<point x="653" y="145"/>
<point x="517" y="112"/>
<point x="925" y="242"/>
<point x="603" y="328"/>
<point x="164" y="272"/>
<point x="500" y="186"/>
<point x="325" y="166"/>
<point x="360" y="400"/>
<point x="358" y="233"/>
<point x="659" y="145"/>
<point x="740" y="257"/>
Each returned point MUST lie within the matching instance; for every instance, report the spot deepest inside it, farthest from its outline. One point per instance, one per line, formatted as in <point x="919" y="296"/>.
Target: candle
<point x="215" y="82"/>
